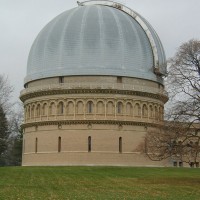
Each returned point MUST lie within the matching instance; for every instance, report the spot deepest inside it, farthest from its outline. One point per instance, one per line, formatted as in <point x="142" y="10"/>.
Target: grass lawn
<point x="99" y="183"/>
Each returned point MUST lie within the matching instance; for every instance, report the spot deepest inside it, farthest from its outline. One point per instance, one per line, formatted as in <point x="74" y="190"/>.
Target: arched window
<point x="119" y="108"/>
<point x="38" y="110"/>
<point x="61" y="108"/>
<point x="110" y="106"/>
<point x="100" y="107"/>
<point x="156" y="113"/>
<point x="70" y="108"/>
<point x="151" y="111"/>
<point x="36" y="145"/>
<point x="90" y="107"/>
<point x="33" y="112"/>
<point x="120" y="144"/>
<point x="80" y="107"/>
<point x="52" y="109"/>
<point x="59" y="144"/>
<point x="144" y="111"/>
<point x="129" y="109"/>
<point x="160" y="113"/>
<point x="26" y="113"/>
<point x="89" y="144"/>
<point x="29" y="112"/>
<point x="44" y="110"/>
<point x="137" y="110"/>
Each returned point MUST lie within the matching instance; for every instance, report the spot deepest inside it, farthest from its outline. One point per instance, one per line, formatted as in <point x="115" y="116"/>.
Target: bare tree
<point x="179" y="137"/>
<point x="10" y="120"/>
<point x="173" y="141"/>
<point x="14" y="150"/>
<point x="5" y="93"/>
<point x="4" y="134"/>
<point x="183" y="83"/>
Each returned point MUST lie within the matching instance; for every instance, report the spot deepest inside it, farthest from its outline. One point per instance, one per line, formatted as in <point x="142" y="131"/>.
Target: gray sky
<point x="175" y="21"/>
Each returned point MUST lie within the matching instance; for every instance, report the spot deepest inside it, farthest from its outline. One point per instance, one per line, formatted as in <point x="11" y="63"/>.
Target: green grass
<point x="57" y="183"/>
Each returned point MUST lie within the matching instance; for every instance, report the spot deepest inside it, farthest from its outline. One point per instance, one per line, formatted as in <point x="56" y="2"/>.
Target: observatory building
<point x="93" y="88"/>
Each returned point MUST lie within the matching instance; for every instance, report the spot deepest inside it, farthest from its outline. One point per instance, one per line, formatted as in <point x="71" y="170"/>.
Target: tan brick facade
<point x="89" y="120"/>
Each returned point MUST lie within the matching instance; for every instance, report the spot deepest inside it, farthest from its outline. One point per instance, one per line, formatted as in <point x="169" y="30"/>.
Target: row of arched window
<point x="89" y="144"/>
<point x="36" y="110"/>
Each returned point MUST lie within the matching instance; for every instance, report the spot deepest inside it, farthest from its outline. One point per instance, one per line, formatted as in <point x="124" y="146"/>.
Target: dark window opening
<point x="119" y="108"/>
<point x="192" y="164"/>
<point x="175" y="164"/>
<point x="59" y="144"/>
<point x="36" y="145"/>
<point x="89" y="144"/>
<point x="197" y="164"/>
<point x="180" y="164"/>
<point x="61" y="79"/>
<point x="90" y="107"/>
<point x="61" y="108"/>
<point x="120" y="145"/>
<point x="119" y="79"/>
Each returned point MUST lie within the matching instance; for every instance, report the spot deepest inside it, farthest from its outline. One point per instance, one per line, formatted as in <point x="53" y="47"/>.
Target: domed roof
<point x="95" y="40"/>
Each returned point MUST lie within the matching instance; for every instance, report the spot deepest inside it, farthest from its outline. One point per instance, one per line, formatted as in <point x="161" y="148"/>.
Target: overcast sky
<point x="175" y="21"/>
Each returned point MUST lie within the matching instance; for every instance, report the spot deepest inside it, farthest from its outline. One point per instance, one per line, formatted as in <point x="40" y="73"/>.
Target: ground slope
<point x="48" y="183"/>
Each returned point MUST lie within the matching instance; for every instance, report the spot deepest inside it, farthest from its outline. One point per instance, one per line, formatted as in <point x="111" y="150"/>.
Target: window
<point x="59" y="144"/>
<point x="89" y="144"/>
<point x="175" y="163"/>
<point x="120" y="145"/>
<point x="137" y="110"/>
<point x="38" y="110"/>
<point x="52" y="109"/>
<point x="33" y="112"/>
<point x="70" y="108"/>
<point x="119" y="107"/>
<point x="180" y="164"/>
<point x="144" y="111"/>
<point x="192" y="164"/>
<point x="29" y="112"/>
<point x="60" y="108"/>
<point x="197" y="164"/>
<point x="156" y="113"/>
<point x="129" y="109"/>
<point x="151" y="111"/>
<point x="100" y="108"/>
<point x="36" y="145"/>
<point x="90" y="107"/>
<point x="61" y="79"/>
<point x="44" y="109"/>
<point x="119" y="79"/>
<point x="110" y="108"/>
<point x="80" y="107"/>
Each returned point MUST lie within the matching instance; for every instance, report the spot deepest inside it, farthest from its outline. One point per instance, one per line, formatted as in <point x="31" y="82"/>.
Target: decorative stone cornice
<point x="90" y="122"/>
<point x="35" y="94"/>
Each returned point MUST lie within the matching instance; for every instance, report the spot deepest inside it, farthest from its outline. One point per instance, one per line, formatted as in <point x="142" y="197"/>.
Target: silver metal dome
<point x="96" y="40"/>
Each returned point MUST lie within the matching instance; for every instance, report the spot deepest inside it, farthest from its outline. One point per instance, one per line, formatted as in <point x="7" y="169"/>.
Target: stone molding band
<point x="90" y="122"/>
<point x="161" y="97"/>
